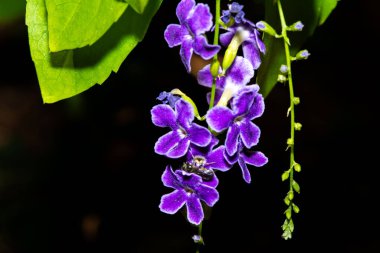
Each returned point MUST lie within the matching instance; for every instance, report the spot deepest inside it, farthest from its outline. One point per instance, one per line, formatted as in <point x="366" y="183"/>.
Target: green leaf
<point x="311" y="12"/>
<point x="138" y="5"/>
<point x="78" y="23"/>
<point x="67" y="73"/>
<point x="11" y="9"/>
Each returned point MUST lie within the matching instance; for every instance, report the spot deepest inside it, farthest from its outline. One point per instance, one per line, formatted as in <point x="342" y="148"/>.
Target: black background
<point x="89" y="160"/>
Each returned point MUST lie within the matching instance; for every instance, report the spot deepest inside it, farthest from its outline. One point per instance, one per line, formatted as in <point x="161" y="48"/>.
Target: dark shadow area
<point x="81" y="175"/>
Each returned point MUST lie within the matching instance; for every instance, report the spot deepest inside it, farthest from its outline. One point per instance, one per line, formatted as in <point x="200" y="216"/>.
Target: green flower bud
<point x="302" y="55"/>
<point x="290" y="142"/>
<point x="290" y="195"/>
<point x="297" y="126"/>
<point x="296" y="27"/>
<point x="281" y="78"/>
<point x="296" y="100"/>
<point x="297" y="167"/>
<point x="214" y="69"/>
<point x="240" y="36"/>
<point x="287" y="200"/>
<point x="265" y="27"/>
<point x="285" y="175"/>
<point x="288" y="213"/>
<point x="296" y="209"/>
<point x="296" y="186"/>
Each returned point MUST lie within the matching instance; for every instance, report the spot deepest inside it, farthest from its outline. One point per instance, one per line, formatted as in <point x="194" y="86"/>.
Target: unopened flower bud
<point x="297" y="126"/>
<point x="265" y="27"/>
<point x="302" y="55"/>
<point x="290" y="195"/>
<point x="284" y="69"/>
<point x="287" y="200"/>
<point x="232" y="49"/>
<point x="285" y="175"/>
<point x="297" y="167"/>
<point x="296" y="209"/>
<point x="296" y="27"/>
<point x="290" y="142"/>
<point x="214" y="69"/>
<point x="296" y="100"/>
<point x="288" y="213"/>
<point x="281" y="78"/>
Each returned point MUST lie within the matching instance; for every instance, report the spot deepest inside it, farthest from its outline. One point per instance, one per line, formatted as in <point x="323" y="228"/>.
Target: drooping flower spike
<point x="249" y="36"/>
<point x="176" y="143"/>
<point x="194" y="21"/>
<point x="246" y="106"/>
<point x="189" y="190"/>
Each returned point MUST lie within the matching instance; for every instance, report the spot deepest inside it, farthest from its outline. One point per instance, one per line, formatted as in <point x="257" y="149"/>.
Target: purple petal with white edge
<point x="216" y="160"/>
<point x="202" y="151"/>
<point x="183" y="9"/>
<point x="172" y="202"/>
<point x="259" y="42"/>
<point x="186" y="52"/>
<point x="199" y="135"/>
<point x="169" y="179"/>
<point x="245" y="171"/>
<point x="174" y="34"/>
<point x="240" y="72"/>
<point x="225" y="38"/>
<point x="219" y="118"/>
<point x="242" y="102"/>
<point x="194" y="210"/>
<point x="200" y="19"/>
<point x="163" y="116"/>
<point x="180" y="149"/>
<point x="185" y="113"/>
<point x="190" y="180"/>
<point x="213" y="182"/>
<point x="257" y="108"/>
<point x="252" y="53"/>
<point x="231" y="159"/>
<point x="205" y="50"/>
<point x="204" y="76"/>
<point x="232" y="139"/>
<point x="208" y="194"/>
<point x="255" y="158"/>
<point x="250" y="133"/>
<point x="166" y="142"/>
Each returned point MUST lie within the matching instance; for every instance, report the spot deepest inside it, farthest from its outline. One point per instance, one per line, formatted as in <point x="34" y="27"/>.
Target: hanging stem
<point x="216" y="42"/>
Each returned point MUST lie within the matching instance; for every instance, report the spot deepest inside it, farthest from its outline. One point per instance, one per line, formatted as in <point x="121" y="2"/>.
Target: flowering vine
<point x="231" y="136"/>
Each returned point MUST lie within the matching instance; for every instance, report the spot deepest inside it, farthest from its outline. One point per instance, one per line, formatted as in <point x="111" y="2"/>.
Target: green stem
<point x="200" y="234"/>
<point x="216" y="42"/>
<point x="291" y="94"/>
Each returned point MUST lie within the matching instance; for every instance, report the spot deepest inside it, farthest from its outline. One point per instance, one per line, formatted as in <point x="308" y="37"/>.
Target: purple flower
<point x="251" y="42"/>
<point x="176" y="143"/>
<point x="235" y="78"/>
<point x="244" y="157"/>
<point x="189" y="189"/>
<point x="168" y="98"/>
<point x="246" y="106"/>
<point x="208" y="157"/>
<point x="234" y="11"/>
<point x="194" y="21"/>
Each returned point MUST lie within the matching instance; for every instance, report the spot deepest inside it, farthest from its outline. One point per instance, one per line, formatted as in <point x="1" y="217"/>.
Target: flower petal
<point x="174" y="34"/>
<point x="190" y="180"/>
<point x="204" y="76"/>
<point x="180" y="149"/>
<point x="252" y="53"/>
<point x="186" y="52"/>
<point x="183" y="9"/>
<point x="240" y="72"/>
<point x="257" y="108"/>
<point x="184" y="113"/>
<point x="226" y="38"/>
<point x="166" y="142"/>
<point x="216" y="160"/>
<point x="245" y="171"/>
<point x="163" y="116"/>
<point x="194" y="210"/>
<point x="231" y="159"/>
<point x="169" y="179"/>
<point x="200" y="20"/>
<point x="219" y="118"/>
<point x="172" y="202"/>
<point x="232" y="139"/>
<point x="208" y="194"/>
<point x="205" y="50"/>
<point x="199" y="135"/>
<point x="255" y="158"/>
<point x="213" y="182"/>
<point x="242" y="102"/>
<point x="259" y="42"/>
<point x="250" y="133"/>
<point x="218" y="94"/>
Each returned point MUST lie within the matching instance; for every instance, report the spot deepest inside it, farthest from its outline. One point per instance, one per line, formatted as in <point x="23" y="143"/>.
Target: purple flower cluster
<point x="230" y="135"/>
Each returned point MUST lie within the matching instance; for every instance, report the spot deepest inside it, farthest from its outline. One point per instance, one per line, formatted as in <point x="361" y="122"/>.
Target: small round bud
<point x="288" y="213"/>
<point x="284" y="69"/>
<point x="287" y="200"/>
<point x="296" y="209"/>
<point x="281" y="78"/>
<point x="297" y="126"/>
<point x="214" y="69"/>
<point x="290" y="195"/>
<point x="297" y="167"/>
<point x="265" y="27"/>
<point x="198" y="239"/>
<point x="290" y="141"/>
<point x="296" y="27"/>
<point x="302" y="55"/>
<point x="285" y="175"/>
<point x="296" y="100"/>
